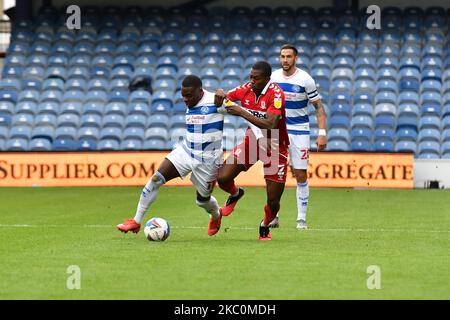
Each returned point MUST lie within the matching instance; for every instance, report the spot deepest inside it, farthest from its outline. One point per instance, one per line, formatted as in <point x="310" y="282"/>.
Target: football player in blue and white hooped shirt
<point x="299" y="88"/>
<point x="200" y="154"/>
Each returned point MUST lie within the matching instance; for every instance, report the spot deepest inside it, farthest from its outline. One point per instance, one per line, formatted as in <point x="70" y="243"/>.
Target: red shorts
<point x="275" y="161"/>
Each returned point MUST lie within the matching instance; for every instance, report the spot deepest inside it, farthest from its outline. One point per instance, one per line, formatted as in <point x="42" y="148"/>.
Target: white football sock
<point x="211" y="207"/>
<point x="148" y="195"/>
<point x="302" y="200"/>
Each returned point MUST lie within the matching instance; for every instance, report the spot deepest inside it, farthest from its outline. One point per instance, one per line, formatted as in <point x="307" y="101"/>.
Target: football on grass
<point x="157" y="229"/>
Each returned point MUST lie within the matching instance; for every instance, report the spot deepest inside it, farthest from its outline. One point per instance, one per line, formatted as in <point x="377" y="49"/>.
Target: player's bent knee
<point x="158" y="179"/>
<point x="274" y="205"/>
<point x="301" y="176"/>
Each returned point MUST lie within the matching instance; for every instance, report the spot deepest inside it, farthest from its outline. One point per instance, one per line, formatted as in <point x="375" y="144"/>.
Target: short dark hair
<point x="264" y="66"/>
<point x="290" y="46"/>
<point x="192" y="81"/>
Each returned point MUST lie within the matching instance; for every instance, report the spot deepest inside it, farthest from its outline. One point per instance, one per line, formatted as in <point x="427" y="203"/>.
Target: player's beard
<point x="287" y="67"/>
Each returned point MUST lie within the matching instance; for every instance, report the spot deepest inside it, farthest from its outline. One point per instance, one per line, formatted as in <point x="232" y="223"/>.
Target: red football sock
<point x="268" y="215"/>
<point x="230" y="188"/>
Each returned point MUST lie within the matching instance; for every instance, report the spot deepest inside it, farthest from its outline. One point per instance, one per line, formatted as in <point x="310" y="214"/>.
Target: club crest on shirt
<point x="263" y="105"/>
<point x="295" y="88"/>
<point x="277" y="103"/>
<point x="204" y="110"/>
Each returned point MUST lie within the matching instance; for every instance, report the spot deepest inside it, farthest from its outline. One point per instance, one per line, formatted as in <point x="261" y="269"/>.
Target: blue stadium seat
<point x="407" y="121"/>
<point x="16" y="145"/>
<point x="445" y="148"/>
<point x="51" y="96"/>
<point x="75" y="84"/>
<point x="111" y="133"/>
<point x="56" y="71"/>
<point x="134" y="133"/>
<point x="108" y="145"/>
<point x="361" y="133"/>
<point x="88" y="133"/>
<point x="387" y="62"/>
<point x="136" y="120"/>
<point x="114" y="121"/>
<point x="66" y="132"/>
<point x="429" y="134"/>
<point x="26" y="95"/>
<point x="386" y="97"/>
<point x="87" y="145"/>
<point x="155" y="144"/>
<point x="429" y="147"/>
<point x="64" y="145"/>
<point x="446" y="122"/>
<point x="26" y="107"/>
<point x="384" y="133"/>
<point x="366" y="73"/>
<point x="389" y="50"/>
<point x="409" y="84"/>
<point x="431" y="85"/>
<point x="321" y="73"/>
<point x="430" y="122"/>
<point x="338" y="145"/>
<point x="431" y="110"/>
<point x="164" y="72"/>
<point x="94" y="107"/>
<point x="383" y="146"/>
<point x="177" y="134"/>
<point x="360" y="145"/>
<point x="229" y="84"/>
<point x="40" y="145"/>
<point x="338" y="134"/>
<point x="387" y="85"/>
<point x="22" y="119"/>
<point x="120" y="96"/>
<point x="102" y="60"/>
<point x="340" y="109"/>
<point x="408" y="97"/>
<point x="131" y="144"/>
<point x="159" y="120"/>
<point x="408" y="109"/>
<point x="157" y="133"/>
<point x="362" y="122"/>
<point x="387" y="73"/>
<point x="407" y="133"/>
<point x="7" y="107"/>
<point x="406" y="146"/>
<point x="410" y="74"/>
<point x="385" y="121"/>
<point x="119" y="108"/>
<point x="45" y="119"/>
<point x="20" y="132"/>
<point x="339" y="121"/>
<point x="4" y="133"/>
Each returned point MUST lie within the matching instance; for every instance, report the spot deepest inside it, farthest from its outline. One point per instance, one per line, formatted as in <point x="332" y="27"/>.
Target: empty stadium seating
<point x="65" y="90"/>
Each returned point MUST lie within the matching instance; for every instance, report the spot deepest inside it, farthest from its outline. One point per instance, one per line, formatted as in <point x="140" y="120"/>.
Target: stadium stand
<point x="114" y="84"/>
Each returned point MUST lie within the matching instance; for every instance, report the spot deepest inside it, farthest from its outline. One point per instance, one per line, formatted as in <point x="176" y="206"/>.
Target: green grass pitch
<point x="406" y="234"/>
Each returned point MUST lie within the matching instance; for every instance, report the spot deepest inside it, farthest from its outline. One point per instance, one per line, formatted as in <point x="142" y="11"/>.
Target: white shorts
<point x="203" y="173"/>
<point x="299" y="151"/>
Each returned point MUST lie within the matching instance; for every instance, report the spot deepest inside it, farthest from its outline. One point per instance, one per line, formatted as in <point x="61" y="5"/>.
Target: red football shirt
<point x="270" y="100"/>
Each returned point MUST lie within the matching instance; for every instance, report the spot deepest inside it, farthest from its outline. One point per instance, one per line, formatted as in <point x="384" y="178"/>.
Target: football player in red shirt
<point x="266" y="139"/>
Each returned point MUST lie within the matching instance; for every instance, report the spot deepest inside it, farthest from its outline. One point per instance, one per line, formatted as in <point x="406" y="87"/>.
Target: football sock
<point x="230" y="188"/>
<point x="148" y="195"/>
<point x="302" y="200"/>
<point x="211" y="207"/>
<point x="267" y="215"/>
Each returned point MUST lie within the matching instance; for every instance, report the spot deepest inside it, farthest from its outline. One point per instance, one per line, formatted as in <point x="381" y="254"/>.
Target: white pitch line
<point x="228" y="228"/>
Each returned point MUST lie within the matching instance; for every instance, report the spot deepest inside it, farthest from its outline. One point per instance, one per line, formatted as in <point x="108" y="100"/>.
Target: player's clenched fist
<point x="219" y="97"/>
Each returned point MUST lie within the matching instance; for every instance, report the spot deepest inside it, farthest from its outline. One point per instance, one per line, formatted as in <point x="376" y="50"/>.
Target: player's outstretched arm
<point x="321" y="122"/>
<point x="271" y="122"/>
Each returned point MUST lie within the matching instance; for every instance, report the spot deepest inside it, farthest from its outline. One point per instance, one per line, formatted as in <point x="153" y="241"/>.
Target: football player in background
<point x="299" y="88"/>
